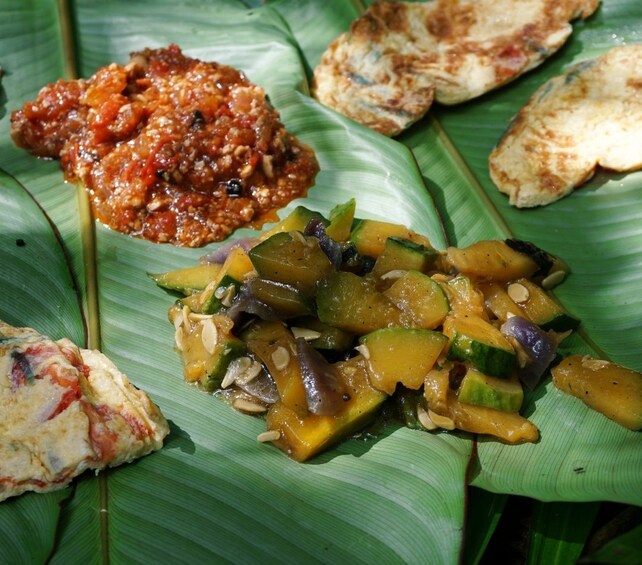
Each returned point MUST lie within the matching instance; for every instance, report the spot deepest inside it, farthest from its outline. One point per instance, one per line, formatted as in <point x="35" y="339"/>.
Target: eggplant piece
<point x="329" y="246"/>
<point x="539" y="346"/>
<point x="324" y="389"/>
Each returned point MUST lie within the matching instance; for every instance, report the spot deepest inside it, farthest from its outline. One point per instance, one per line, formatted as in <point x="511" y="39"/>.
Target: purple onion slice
<point x="539" y="346"/>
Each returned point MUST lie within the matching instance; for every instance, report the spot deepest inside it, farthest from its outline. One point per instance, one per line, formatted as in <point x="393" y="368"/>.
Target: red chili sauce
<point x="169" y="148"/>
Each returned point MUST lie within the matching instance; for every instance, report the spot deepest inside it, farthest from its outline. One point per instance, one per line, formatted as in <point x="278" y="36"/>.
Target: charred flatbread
<point x="588" y="117"/>
<point x="398" y="57"/>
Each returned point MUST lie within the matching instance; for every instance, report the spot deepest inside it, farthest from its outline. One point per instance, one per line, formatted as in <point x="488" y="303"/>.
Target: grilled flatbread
<point x="399" y="56"/>
<point x="589" y="117"/>
<point x="64" y="410"/>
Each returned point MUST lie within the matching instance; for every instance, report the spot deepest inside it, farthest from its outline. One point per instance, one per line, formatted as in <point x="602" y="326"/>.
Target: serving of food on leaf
<point x="320" y="322"/>
<point x="66" y="410"/>
<point x="170" y="148"/>
<point x="345" y="343"/>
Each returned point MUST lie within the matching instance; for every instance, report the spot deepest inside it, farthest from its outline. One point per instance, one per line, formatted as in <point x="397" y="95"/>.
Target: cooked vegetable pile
<point x="321" y="323"/>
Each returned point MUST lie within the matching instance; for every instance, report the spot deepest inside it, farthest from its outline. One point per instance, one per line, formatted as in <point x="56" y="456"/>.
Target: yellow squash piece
<point x="302" y="437"/>
<point x="611" y="389"/>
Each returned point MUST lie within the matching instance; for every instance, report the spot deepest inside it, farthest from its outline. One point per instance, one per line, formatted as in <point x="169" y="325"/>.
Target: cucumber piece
<point x="353" y="304"/>
<point x="401" y="356"/>
<point x="491" y="260"/>
<point x="187" y="280"/>
<point x="296" y="220"/>
<point x="370" y="236"/>
<point x="341" y="218"/>
<point x="502" y="394"/>
<point x="292" y="258"/>
<point x="482" y="344"/>
<point x="421" y="300"/>
<point x="399" y="253"/>
<point x="302" y="437"/>
<point x="541" y="309"/>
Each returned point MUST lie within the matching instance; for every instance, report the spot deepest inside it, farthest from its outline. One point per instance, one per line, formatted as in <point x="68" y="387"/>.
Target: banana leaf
<point x="212" y="493"/>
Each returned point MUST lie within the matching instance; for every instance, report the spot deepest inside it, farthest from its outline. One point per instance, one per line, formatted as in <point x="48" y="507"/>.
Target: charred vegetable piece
<point x="302" y="437"/>
<point x="611" y="389"/>
<point x="273" y="344"/>
<point x="294" y="221"/>
<point x="547" y="263"/>
<point x="491" y="260"/>
<point x="540" y="307"/>
<point x="353" y="304"/>
<point x="187" y="280"/>
<point x="501" y="394"/>
<point x="421" y="300"/>
<point x="401" y="356"/>
<point x="324" y="389"/>
<point x="292" y="258"/>
<point x="402" y="254"/>
<point x="370" y="236"/>
<point x="482" y="344"/>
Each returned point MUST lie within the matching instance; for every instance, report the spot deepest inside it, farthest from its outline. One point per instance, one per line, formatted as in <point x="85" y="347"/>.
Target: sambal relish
<point x="170" y="148"/>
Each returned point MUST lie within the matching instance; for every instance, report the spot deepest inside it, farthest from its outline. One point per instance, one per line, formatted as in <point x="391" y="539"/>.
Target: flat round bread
<point x="589" y="117"/>
<point x="398" y="56"/>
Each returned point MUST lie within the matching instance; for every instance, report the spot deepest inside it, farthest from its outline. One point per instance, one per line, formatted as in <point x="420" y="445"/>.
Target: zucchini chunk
<point x="421" y="300"/>
<point x="291" y="258"/>
<point x="296" y="220"/>
<point x="353" y="304"/>
<point x="370" y="236"/>
<point x="482" y="344"/>
<point x="341" y="218"/>
<point x="187" y="280"/>
<point x="402" y="254"/>
<point x="220" y="292"/>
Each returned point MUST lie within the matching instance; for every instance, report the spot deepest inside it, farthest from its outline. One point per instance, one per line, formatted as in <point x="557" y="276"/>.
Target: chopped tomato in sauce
<point x="170" y="148"/>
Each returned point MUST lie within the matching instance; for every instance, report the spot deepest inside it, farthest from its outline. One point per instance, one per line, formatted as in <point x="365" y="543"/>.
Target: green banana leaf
<point x="212" y="494"/>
